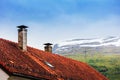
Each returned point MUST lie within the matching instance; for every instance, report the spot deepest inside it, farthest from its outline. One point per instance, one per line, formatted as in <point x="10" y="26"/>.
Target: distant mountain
<point x="94" y="45"/>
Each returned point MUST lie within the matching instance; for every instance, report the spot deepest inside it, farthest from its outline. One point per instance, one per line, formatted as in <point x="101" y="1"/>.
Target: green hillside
<point x="108" y="65"/>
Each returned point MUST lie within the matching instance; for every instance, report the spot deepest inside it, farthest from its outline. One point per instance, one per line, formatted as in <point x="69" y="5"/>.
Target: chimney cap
<point x="22" y="26"/>
<point x="48" y="44"/>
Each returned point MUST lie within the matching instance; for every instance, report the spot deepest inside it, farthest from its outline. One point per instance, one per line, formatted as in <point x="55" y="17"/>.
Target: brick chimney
<point x="22" y="37"/>
<point x="48" y="47"/>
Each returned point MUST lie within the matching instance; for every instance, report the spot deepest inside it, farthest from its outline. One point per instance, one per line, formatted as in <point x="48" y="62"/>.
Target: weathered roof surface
<point x="39" y="64"/>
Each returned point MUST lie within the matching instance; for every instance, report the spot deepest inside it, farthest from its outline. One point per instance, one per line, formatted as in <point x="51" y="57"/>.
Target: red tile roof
<point x="39" y="64"/>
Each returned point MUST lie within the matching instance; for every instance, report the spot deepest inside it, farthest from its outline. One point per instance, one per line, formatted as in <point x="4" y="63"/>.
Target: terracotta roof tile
<point x="40" y="64"/>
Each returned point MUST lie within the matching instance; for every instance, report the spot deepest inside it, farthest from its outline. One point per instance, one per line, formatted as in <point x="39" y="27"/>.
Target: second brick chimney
<point x="48" y="47"/>
<point x="22" y="37"/>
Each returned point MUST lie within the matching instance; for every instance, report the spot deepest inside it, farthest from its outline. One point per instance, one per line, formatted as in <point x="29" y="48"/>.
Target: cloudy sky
<point x="59" y="20"/>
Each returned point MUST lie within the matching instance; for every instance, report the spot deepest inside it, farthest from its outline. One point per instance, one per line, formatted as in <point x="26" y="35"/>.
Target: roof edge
<point x="4" y="69"/>
<point x="27" y="76"/>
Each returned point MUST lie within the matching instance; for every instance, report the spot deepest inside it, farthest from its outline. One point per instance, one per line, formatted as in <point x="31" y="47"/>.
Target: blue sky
<point x="59" y="20"/>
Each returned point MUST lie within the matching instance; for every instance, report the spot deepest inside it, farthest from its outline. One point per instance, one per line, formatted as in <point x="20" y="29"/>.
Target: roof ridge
<point x="7" y="40"/>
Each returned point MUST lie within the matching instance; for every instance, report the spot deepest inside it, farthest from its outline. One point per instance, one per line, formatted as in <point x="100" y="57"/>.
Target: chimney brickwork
<point x="48" y="47"/>
<point x="22" y="37"/>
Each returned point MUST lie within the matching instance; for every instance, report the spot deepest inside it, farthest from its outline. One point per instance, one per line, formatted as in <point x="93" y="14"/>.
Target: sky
<point x="59" y="20"/>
